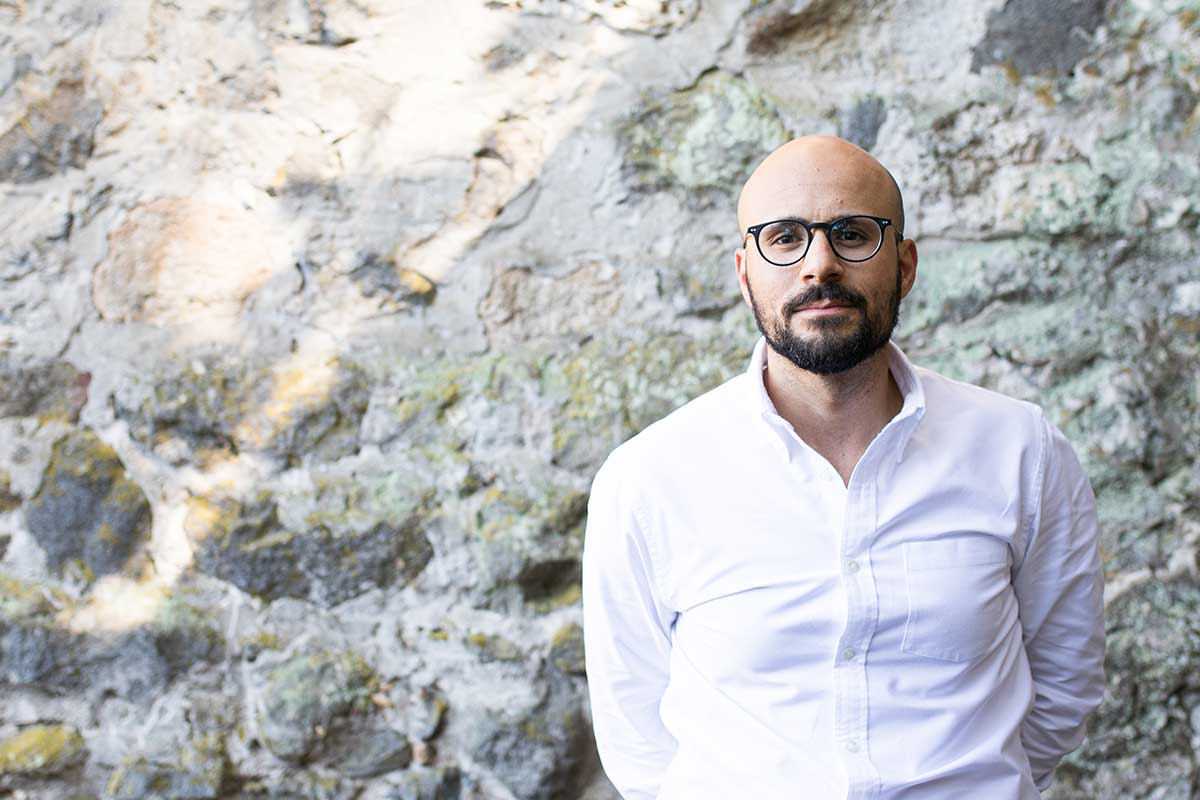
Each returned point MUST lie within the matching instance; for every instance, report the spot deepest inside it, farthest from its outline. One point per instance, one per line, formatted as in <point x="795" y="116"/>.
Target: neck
<point x="837" y="415"/>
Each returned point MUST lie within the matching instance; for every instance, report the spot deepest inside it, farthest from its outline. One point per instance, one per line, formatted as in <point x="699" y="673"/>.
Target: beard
<point x="828" y="351"/>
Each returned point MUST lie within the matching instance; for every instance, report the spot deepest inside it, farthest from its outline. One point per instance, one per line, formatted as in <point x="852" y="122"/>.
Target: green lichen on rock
<point x="197" y="773"/>
<point x="88" y="508"/>
<point x="24" y="600"/>
<point x="429" y="783"/>
<point x="243" y="541"/>
<point x="612" y="388"/>
<point x="218" y="405"/>
<point x="41" y="750"/>
<point x="533" y="750"/>
<point x="49" y="391"/>
<point x="705" y="138"/>
<point x="566" y="649"/>
<point x="8" y="499"/>
<point x="1144" y="728"/>
<point x="494" y="647"/>
<point x="185" y="634"/>
<point x="545" y="509"/>
<point x="310" y="698"/>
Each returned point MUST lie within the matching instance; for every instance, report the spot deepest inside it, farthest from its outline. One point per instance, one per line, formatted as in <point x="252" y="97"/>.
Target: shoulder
<point x="981" y="412"/>
<point x="692" y="428"/>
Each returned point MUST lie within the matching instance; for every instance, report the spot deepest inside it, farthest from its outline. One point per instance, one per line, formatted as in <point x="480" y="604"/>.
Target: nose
<point x="820" y="263"/>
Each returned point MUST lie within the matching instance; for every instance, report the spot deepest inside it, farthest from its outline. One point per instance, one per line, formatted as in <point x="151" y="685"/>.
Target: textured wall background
<point x="317" y="317"/>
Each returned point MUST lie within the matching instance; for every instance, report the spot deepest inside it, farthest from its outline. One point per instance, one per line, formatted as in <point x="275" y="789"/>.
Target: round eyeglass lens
<point x="783" y="242"/>
<point x="856" y="238"/>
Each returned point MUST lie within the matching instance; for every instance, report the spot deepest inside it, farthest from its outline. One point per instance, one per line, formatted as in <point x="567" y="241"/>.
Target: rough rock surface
<point x="317" y="319"/>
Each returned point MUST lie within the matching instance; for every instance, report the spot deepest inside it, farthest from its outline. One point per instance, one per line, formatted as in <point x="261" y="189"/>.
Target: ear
<point x="739" y="265"/>
<point x="908" y="265"/>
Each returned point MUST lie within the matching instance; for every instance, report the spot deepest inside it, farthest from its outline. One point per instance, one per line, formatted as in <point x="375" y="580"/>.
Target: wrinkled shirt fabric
<point x="756" y="628"/>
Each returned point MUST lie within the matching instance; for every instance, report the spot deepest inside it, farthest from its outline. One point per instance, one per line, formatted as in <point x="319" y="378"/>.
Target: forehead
<point x="818" y="199"/>
<point x="816" y="184"/>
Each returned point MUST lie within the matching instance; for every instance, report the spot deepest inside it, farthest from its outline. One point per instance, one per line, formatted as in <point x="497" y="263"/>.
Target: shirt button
<point x="852" y="746"/>
<point x="852" y="566"/>
<point x="849" y="654"/>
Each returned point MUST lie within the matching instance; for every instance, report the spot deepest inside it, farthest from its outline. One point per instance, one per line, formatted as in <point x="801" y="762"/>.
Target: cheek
<point x="770" y="286"/>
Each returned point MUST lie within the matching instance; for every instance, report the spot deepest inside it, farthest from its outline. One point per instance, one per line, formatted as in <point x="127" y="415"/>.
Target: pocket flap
<point x="957" y="552"/>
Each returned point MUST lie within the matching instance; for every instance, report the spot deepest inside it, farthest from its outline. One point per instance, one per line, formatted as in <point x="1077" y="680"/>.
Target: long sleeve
<point x="1060" y="588"/>
<point x="627" y="641"/>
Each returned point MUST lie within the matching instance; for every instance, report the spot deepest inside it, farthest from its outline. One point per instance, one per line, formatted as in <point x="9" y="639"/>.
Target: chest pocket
<point x="960" y="600"/>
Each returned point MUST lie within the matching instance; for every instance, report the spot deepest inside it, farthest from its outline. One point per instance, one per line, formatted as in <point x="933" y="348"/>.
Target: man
<point x="838" y="575"/>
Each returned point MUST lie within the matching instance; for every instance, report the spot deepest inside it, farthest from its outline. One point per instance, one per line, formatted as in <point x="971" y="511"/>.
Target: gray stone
<point x="310" y="698"/>
<point x="1142" y="732"/>
<point x="395" y="288"/>
<point x="535" y="753"/>
<point x="1039" y="37"/>
<point x="656" y="18"/>
<point x="197" y="773"/>
<point x="371" y="752"/>
<point x="429" y="783"/>
<point x="56" y="390"/>
<point x="36" y="654"/>
<point x="566" y="649"/>
<point x="425" y="712"/>
<point x="218" y="405"/>
<point x="185" y="634"/>
<point x="53" y="135"/>
<point x="298" y="784"/>
<point x="87" y="508"/>
<point x="703" y="140"/>
<point x="861" y="122"/>
<point x="243" y="542"/>
<point x="778" y="25"/>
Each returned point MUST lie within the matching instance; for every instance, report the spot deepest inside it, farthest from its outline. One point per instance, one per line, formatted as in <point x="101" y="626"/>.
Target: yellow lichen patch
<point x="567" y="634"/>
<point x="569" y="596"/>
<point x="21" y="599"/>
<point x="303" y="381"/>
<point x="270" y="540"/>
<point x="264" y="640"/>
<point x="40" y="748"/>
<point x="8" y="500"/>
<point x="439" y="634"/>
<point x="494" y="646"/>
<point x="210" y="517"/>
<point x="1045" y="95"/>
<point x="536" y="731"/>
<point x="414" y="281"/>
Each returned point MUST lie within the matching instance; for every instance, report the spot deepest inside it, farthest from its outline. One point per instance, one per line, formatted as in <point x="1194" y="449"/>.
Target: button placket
<point x="850" y="682"/>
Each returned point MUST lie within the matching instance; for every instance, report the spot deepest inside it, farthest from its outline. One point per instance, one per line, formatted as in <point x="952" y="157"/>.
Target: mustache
<point x="825" y="292"/>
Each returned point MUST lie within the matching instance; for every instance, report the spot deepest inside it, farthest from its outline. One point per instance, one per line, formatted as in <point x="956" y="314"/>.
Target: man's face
<point x="834" y="341"/>
<point x="823" y="313"/>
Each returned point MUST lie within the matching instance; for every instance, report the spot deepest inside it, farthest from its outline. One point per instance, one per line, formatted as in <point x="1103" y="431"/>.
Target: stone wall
<point x="318" y="316"/>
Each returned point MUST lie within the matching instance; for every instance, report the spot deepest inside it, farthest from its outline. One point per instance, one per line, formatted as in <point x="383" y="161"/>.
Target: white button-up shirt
<point x="755" y="628"/>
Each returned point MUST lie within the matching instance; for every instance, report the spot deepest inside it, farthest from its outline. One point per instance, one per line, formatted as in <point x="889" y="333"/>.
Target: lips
<point x="823" y="309"/>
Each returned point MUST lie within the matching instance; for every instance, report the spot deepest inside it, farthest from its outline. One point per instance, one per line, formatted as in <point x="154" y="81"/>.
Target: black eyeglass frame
<point x="883" y="223"/>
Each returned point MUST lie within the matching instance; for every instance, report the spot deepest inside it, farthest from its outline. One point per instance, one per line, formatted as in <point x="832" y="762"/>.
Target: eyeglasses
<point x="783" y="242"/>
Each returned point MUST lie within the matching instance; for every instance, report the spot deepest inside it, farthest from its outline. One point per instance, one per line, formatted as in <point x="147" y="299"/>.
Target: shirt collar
<point x="902" y="370"/>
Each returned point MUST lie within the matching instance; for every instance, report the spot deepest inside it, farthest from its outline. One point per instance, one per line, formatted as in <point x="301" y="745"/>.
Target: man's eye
<point x="784" y="236"/>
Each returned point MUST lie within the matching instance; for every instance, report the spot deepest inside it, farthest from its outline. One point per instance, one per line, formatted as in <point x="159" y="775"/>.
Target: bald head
<point x="819" y="177"/>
